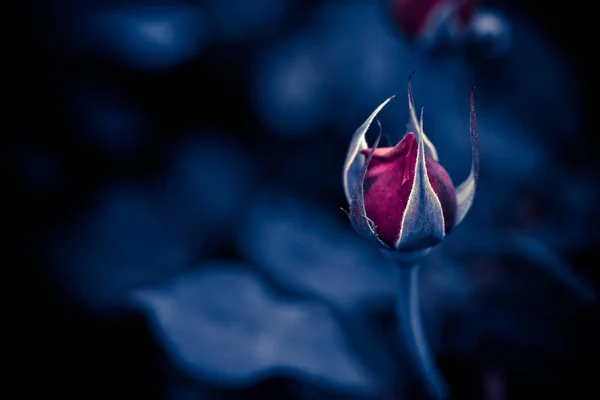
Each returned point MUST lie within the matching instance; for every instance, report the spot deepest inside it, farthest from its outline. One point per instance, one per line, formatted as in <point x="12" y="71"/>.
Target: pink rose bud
<point x="420" y="19"/>
<point x="402" y="196"/>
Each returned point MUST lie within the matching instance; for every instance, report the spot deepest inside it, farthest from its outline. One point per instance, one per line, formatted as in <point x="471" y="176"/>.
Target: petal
<point x="358" y="143"/>
<point x="358" y="213"/>
<point x="423" y="220"/>
<point x="465" y="192"/>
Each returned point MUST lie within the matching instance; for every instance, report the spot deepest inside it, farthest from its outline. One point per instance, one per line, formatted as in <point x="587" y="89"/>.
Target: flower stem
<point x="410" y="328"/>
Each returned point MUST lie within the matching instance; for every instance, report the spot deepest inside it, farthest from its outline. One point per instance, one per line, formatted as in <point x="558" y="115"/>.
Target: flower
<point x="402" y="196"/>
<point x="422" y="19"/>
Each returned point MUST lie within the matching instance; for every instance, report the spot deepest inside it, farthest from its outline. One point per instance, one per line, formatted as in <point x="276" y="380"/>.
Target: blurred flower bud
<point x="424" y="19"/>
<point x="402" y="196"/>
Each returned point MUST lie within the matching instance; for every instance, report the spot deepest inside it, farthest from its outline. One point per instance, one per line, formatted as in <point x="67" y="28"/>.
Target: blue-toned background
<point x="173" y="201"/>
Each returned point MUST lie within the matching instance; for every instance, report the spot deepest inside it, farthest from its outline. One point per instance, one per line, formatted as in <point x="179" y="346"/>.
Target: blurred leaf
<point x="108" y="119"/>
<point x="223" y="325"/>
<point x="118" y="245"/>
<point x="289" y="88"/>
<point x="203" y="192"/>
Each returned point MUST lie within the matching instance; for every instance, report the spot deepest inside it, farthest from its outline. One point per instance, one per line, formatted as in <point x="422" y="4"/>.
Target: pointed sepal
<point x="413" y="126"/>
<point x="358" y="214"/>
<point x="423" y="220"/>
<point x="358" y="143"/>
<point x="465" y="192"/>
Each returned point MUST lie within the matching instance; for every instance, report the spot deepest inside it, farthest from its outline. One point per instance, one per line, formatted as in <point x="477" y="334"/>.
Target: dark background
<point x="94" y="116"/>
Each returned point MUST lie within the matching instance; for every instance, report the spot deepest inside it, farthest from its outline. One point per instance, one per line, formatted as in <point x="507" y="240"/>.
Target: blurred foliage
<point x="174" y="191"/>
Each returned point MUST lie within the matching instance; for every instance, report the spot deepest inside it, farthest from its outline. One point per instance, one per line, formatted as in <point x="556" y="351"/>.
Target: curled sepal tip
<point x="413" y="125"/>
<point x="465" y="192"/>
<point x="358" y="143"/>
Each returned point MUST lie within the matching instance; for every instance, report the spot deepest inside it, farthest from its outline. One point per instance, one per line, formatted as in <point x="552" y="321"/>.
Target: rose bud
<point x="402" y="197"/>
<point x="424" y="20"/>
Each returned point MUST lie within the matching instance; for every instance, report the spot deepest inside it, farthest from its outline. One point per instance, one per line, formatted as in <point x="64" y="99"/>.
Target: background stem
<point x="410" y="327"/>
